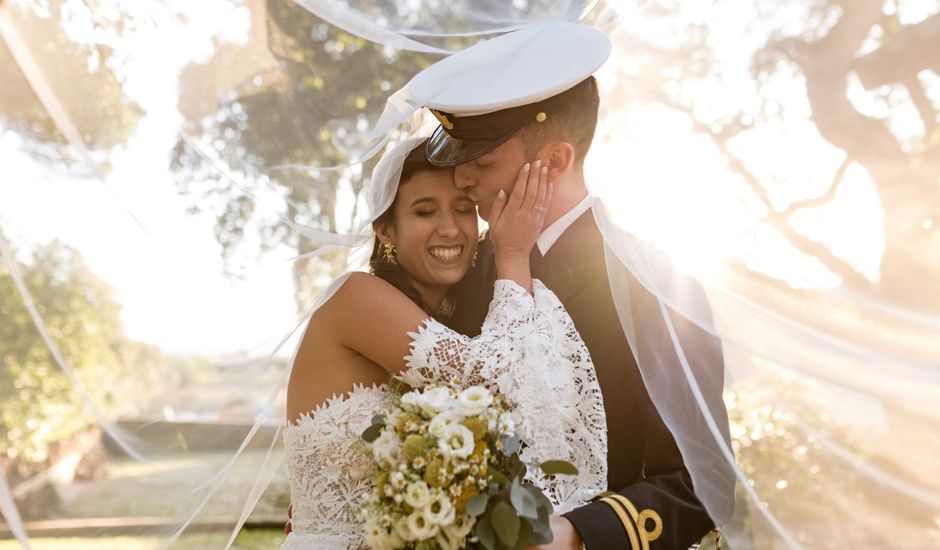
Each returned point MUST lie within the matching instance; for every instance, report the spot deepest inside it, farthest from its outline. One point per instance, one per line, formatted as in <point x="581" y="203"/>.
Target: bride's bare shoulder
<point x="363" y="290"/>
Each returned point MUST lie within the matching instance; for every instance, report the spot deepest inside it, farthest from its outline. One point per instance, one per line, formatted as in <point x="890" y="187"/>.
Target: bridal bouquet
<point x="449" y="475"/>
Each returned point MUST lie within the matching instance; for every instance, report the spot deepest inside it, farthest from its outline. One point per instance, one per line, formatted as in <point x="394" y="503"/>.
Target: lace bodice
<point x="528" y="350"/>
<point x="328" y="470"/>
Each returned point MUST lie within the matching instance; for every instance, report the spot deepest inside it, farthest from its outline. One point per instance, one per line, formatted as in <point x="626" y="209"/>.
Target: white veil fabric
<point x="769" y="173"/>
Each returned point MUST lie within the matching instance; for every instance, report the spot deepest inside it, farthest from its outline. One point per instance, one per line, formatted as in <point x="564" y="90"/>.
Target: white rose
<point x="459" y="528"/>
<point x="417" y="494"/>
<point x="474" y="400"/>
<point x="441" y="421"/>
<point x="439" y="510"/>
<point x="402" y="529"/>
<point x="420" y="528"/>
<point x="387" y="447"/>
<point x="436" y="400"/>
<point x="457" y="441"/>
<point x="411" y="401"/>
<point x="448" y="542"/>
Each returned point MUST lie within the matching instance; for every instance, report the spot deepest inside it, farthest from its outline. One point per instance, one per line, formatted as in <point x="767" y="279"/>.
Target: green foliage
<point x="513" y="514"/>
<point x="555" y="467"/>
<point x="40" y="406"/>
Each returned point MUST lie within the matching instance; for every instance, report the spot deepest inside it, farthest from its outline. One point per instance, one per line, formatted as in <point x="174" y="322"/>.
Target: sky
<point x="167" y="274"/>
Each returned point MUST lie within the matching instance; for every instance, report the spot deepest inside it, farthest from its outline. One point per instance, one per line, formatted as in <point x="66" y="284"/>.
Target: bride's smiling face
<point x="434" y="229"/>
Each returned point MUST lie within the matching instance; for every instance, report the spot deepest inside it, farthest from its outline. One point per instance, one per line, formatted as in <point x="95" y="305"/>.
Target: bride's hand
<point x="516" y="222"/>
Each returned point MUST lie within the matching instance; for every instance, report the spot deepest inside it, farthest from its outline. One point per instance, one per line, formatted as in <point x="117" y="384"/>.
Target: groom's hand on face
<point x="566" y="537"/>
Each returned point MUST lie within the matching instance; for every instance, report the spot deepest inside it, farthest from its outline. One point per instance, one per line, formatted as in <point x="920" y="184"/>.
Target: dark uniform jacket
<point x="651" y="503"/>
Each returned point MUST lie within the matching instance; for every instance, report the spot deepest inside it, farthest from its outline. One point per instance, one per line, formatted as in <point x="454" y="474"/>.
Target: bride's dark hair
<point x="392" y="273"/>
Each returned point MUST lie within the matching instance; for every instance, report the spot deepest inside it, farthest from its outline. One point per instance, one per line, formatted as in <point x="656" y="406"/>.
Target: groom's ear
<point x="559" y="157"/>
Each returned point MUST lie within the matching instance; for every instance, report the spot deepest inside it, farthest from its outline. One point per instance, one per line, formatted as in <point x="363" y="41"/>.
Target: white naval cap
<point x="486" y="93"/>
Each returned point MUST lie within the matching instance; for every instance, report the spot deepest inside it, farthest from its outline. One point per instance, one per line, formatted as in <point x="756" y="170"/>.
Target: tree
<point x="820" y="48"/>
<point x="41" y="406"/>
<point x="324" y="85"/>
<point x="79" y="74"/>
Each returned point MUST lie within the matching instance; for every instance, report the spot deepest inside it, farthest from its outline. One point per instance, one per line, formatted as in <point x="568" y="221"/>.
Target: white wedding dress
<point x="528" y="350"/>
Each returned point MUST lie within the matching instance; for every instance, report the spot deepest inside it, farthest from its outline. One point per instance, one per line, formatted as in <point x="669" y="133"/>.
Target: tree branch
<point x="905" y="52"/>
<point x="777" y="220"/>
<point x="821" y="200"/>
<point x="922" y="103"/>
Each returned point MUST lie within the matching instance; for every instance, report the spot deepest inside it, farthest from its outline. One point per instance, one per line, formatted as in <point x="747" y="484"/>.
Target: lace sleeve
<point x="441" y="354"/>
<point x="529" y="351"/>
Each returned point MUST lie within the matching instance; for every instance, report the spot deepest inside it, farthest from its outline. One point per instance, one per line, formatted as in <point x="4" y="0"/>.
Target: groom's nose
<point x="463" y="177"/>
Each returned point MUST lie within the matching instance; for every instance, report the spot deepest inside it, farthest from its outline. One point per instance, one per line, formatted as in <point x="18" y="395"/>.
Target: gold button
<point x="541" y="117"/>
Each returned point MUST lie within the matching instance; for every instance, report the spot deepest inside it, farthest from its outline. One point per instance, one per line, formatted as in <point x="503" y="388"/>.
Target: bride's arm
<point x="371" y="317"/>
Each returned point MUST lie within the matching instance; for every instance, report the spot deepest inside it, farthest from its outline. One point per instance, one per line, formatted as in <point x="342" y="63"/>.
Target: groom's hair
<point x="573" y="120"/>
<point x="392" y="273"/>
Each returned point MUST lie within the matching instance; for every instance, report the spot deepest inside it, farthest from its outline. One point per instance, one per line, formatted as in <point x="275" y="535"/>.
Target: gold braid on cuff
<point x="635" y="523"/>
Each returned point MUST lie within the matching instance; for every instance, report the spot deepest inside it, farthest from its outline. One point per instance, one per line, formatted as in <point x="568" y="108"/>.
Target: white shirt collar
<point x="553" y="232"/>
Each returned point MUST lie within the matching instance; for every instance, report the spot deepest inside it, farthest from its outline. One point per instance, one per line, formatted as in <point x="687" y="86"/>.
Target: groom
<point x="530" y="96"/>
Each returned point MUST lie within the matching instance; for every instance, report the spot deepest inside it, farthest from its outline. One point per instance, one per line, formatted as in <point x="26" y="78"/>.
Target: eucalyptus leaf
<point x="372" y="432"/>
<point x="511" y="445"/>
<point x="477" y="504"/>
<point x="484" y="532"/>
<point x="539" y="497"/>
<point x="558" y="467"/>
<point x="498" y="477"/>
<point x="541" y="532"/>
<point x="525" y="535"/>
<point x="523" y="501"/>
<point x="378" y="419"/>
<point x="505" y="523"/>
<point x="519" y="469"/>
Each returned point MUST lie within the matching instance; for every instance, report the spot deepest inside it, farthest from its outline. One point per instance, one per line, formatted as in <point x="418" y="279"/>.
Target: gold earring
<point x="473" y="259"/>
<point x="389" y="254"/>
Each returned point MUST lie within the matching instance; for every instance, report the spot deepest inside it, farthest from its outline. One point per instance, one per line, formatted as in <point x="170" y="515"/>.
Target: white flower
<point x="395" y="540"/>
<point x="441" y="421"/>
<point x="377" y="538"/>
<point x="397" y="480"/>
<point x="420" y="528"/>
<point x="436" y="400"/>
<point x="439" y="510"/>
<point x="449" y="542"/>
<point x="506" y="425"/>
<point x="417" y="494"/>
<point x="387" y="447"/>
<point x="459" y="528"/>
<point x="402" y="529"/>
<point x="457" y="441"/>
<point x="411" y="401"/>
<point x="474" y="400"/>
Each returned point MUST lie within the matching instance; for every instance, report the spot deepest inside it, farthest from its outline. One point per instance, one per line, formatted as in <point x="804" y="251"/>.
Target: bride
<point x="370" y="327"/>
